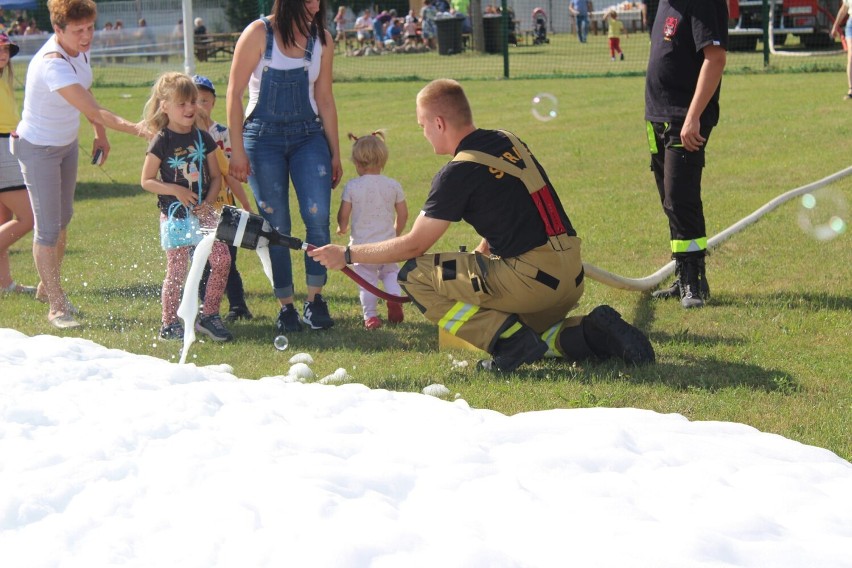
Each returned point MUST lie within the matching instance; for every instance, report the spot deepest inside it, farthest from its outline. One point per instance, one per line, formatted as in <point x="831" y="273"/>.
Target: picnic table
<point x="210" y="45"/>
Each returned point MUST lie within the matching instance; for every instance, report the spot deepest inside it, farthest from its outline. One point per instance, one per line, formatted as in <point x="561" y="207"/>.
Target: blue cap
<point x="204" y="83"/>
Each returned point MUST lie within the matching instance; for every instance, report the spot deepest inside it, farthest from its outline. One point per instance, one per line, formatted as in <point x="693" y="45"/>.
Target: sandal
<point x="15" y="288"/>
<point x="64" y="321"/>
<point x="41" y="296"/>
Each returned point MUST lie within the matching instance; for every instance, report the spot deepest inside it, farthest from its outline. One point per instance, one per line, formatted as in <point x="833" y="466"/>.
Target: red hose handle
<point x="364" y="284"/>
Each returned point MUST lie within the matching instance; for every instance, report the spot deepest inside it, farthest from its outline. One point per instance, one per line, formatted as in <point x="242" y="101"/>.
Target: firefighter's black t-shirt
<point x="681" y="30"/>
<point x="497" y="205"/>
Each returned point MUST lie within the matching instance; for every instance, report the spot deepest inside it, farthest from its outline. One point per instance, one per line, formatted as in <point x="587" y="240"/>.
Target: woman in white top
<point x="288" y="132"/>
<point x="57" y="92"/>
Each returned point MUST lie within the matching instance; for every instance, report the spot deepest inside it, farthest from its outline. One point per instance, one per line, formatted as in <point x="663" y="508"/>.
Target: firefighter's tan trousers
<point x="477" y="298"/>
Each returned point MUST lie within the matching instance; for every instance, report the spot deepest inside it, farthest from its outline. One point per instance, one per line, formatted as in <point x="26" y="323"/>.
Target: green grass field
<point x="771" y="350"/>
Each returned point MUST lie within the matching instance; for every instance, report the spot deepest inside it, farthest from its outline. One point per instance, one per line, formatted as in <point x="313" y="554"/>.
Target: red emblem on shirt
<point x="670" y="28"/>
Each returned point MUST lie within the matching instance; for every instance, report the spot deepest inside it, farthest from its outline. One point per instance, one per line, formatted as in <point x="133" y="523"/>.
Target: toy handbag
<point x="180" y="231"/>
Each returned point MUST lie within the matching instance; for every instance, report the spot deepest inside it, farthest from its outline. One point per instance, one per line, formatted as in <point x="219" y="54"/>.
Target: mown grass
<point x="771" y="350"/>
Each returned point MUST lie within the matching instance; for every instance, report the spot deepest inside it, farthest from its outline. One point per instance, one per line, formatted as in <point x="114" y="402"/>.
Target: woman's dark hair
<point x="288" y="13"/>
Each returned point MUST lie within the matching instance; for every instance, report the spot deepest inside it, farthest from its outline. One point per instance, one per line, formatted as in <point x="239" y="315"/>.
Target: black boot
<point x="694" y="289"/>
<point x="523" y="346"/>
<point x="610" y="336"/>
<point x="672" y="291"/>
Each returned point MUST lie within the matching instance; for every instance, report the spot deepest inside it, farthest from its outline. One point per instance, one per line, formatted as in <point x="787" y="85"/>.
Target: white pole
<point x="188" y="39"/>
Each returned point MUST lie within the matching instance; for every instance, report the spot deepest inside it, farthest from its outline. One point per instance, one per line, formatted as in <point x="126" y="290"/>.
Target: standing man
<point x="688" y="55"/>
<point x="509" y="297"/>
<point x="580" y="10"/>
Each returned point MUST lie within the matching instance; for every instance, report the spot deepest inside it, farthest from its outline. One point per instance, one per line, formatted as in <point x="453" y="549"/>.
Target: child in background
<point x="181" y="166"/>
<point x="16" y="214"/>
<point x="340" y="25"/>
<point x="376" y="205"/>
<point x="232" y="189"/>
<point x="616" y="30"/>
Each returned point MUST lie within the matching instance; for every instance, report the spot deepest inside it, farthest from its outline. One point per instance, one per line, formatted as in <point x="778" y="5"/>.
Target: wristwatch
<point x="347" y="256"/>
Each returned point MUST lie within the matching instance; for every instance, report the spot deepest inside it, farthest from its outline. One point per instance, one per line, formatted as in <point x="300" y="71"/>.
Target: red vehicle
<point x="810" y="20"/>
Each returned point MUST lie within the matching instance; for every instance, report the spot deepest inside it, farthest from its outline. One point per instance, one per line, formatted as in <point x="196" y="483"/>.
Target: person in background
<point x="614" y="32"/>
<point x="580" y="10"/>
<point x="288" y="132"/>
<point x="682" y="85"/>
<point x="340" y="25"/>
<point x="364" y="27"/>
<point x="16" y="214"/>
<point x="375" y="205"/>
<point x="427" y="22"/>
<point x="381" y="23"/>
<point x="511" y="296"/>
<point x="57" y="92"/>
<point x="844" y="12"/>
<point x="181" y="169"/>
<point x="232" y="192"/>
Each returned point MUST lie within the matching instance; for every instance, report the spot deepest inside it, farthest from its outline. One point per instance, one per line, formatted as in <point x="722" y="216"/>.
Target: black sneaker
<point x="316" y="314"/>
<point x="288" y="320"/>
<point x="524" y="346"/>
<point x="172" y="332"/>
<point x="238" y="312"/>
<point x="608" y="335"/>
<point x="212" y="327"/>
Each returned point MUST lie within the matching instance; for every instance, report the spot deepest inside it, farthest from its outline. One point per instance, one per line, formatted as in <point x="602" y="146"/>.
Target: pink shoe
<point x="395" y="314"/>
<point x="373" y="323"/>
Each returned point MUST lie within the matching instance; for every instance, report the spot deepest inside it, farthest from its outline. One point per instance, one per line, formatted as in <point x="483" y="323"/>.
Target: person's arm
<point x="151" y="182"/>
<point x="423" y="235"/>
<point x="343" y="215"/>
<point x="327" y="109"/>
<point x="401" y="217"/>
<point x="247" y="54"/>
<point x="841" y="13"/>
<point x="237" y="189"/>
<point x="101" y="118"/>
<point x="715" y="58"/>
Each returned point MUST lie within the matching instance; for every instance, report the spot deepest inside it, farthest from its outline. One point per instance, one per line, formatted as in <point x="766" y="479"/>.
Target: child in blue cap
<point x="232" y="192"/>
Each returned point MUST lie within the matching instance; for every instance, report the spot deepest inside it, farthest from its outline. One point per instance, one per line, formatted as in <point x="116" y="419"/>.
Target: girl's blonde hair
<point x="370" y="151"/>
<point x="170" y="87"/>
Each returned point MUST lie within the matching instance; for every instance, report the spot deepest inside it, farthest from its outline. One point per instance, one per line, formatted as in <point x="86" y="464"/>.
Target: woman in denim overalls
<point x="290" y="132"/>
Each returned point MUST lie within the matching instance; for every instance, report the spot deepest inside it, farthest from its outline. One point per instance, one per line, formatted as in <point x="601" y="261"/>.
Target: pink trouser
<point x="177" y="265"/>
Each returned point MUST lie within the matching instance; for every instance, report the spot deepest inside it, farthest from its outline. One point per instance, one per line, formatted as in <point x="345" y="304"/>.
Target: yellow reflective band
<point x="513" y="329"/>
<point x="652" y="140"/>
<point x="550" y="336"/>
<point x="457" y="316"/>
<point x="694" y="245"/>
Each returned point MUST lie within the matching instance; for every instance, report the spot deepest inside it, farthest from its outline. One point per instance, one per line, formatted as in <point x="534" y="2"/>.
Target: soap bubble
<point x="823" y="214"/>
<point x="281" y="342"/>
<point x="544" y="107"/>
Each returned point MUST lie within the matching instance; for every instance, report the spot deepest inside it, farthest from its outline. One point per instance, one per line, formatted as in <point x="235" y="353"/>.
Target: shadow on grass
<point x="104" y="190"/>
<point x="809" y="301"/>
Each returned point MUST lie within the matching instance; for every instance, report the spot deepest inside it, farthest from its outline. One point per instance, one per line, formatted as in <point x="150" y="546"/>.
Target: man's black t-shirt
<point x="497" y="205"/>
<point x="682" y="29"/>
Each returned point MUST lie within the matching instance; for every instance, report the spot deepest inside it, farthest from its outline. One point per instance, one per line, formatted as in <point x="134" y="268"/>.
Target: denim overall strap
<point x="284" y="94"/>
<point x="270" y="38"/>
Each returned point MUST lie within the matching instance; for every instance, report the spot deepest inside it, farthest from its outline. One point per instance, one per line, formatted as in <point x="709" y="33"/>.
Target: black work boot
<point x="694" y="289"/>
<point x="608" y="335"/>
<point x="672" y="291"/>
<point x="523" y="346"/>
